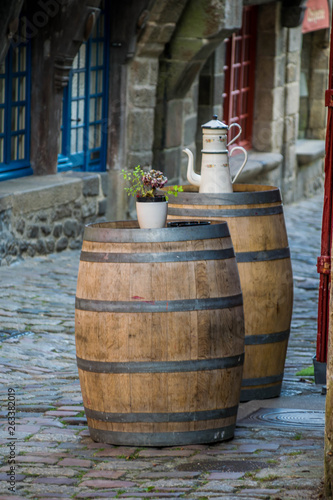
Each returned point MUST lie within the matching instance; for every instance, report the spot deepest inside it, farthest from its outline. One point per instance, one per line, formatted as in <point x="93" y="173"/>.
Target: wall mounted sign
<point x="316" y="16"/>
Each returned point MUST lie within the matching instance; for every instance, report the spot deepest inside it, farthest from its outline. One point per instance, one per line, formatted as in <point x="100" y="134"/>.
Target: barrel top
<point x="244" y="194"/>
<point x="129" y="232"/>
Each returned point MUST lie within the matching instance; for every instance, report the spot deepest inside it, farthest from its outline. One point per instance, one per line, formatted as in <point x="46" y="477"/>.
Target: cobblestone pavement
<point x="50" y="451"/>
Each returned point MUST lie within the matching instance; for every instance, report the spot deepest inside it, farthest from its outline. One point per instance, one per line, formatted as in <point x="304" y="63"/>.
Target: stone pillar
<point x="275" y="127"/>
<point x="270" y="79"/>
<point x="290" y="134"/>
<point x="318" y="84"/>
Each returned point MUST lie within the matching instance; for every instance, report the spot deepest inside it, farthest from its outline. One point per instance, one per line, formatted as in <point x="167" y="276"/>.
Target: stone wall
<point x="47" y="214"/>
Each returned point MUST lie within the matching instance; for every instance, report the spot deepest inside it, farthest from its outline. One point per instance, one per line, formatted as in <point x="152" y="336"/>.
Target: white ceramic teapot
<point x="215" y="172"/>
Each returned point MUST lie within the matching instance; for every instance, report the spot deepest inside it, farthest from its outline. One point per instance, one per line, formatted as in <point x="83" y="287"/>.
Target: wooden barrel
<point x="159" y="330"/>
<point x="256" y="222"/>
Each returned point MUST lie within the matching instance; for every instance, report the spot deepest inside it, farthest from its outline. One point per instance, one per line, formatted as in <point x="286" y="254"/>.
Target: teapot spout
<point x="192" y="177"/>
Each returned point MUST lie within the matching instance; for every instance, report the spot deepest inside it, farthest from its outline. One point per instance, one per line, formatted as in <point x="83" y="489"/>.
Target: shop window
<point x="239" y="71"/>
<point x="84" y="121"/>
<point x="15" y="112"/>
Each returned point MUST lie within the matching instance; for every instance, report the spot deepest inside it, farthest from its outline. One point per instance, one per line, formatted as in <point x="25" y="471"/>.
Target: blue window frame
<point x="15" y="82"/>
<point x="84" y="121"/>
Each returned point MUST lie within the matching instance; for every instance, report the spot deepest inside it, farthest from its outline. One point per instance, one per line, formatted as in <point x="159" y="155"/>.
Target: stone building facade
<point x="164" y="75"/>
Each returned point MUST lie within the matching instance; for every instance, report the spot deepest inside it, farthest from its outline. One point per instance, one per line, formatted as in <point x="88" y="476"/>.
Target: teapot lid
<point x="215" y="123"/>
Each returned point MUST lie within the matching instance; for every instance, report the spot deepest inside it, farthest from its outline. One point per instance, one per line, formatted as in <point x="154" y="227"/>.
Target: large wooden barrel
<point x="256" y="222"/>
<point x="159" y="329"/>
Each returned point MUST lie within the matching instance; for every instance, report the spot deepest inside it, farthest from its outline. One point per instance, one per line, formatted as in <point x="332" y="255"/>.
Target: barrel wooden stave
<point x="261" y="246"/>
<point x="112" y="341"/>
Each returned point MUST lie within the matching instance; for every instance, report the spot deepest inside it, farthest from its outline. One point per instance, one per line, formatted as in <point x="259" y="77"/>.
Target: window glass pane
<point x="2" y="90"/>
<point x="93" y="54"/>
<point x="74" y="85"/>
<point x="22" y="88"/>
<point x="236" y="78"/>
<point x="98" y="136"/>
<point x="82" y="85"/>
<point x="100" y="81"/>
<point x="79" y="144"/>
<point x="2" y="120"/>
<point x="21" y="146"/>
<point x="73" y="140"/>
<point x="2" y="69"/>
<point x="237" y="50"/>
<point x="81" y="111"/>
<point x="14" y="124"/>
<point x="74" y="112"/>
<point x="235" y="104"/>
<point x="93" y="82"/>
<point x="75" y="62"/>
<point x="99" y="108"/>
<point x="95" y="136"/>
<point x="21" y="117"/>
<point x="2" y="159"/>
<point x="82" y="56"/>
<point x="92" y="110"/>
<point x="100" y="54"/>
<point x="246" y="75"/>
<point x="13" y="149"/>
<point x="91" y="136"/>
<point x="15" y="67"/>
<point x="15" y="89"/>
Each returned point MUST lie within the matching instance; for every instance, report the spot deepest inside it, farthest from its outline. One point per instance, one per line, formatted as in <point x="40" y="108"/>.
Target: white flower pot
<point x="152" y="212"/>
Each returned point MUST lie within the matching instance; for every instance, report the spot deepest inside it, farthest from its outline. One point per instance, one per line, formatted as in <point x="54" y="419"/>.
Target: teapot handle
<point x="239" y="133"/>
<point x="243" y="164"/>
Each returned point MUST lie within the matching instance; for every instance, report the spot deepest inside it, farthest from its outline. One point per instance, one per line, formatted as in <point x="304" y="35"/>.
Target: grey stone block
<point x="41" y="247"/>
<point x="75" y="245"/>
<point x="46" y="229"/>
<point x="50" y="244"/>
<point x="32" y="231"/>
<point x="57" y="230"/>
<point x="34" y="193"/>
<point x="91" y="185"/>
<point x="23" y="246"/>
<point x="20" y="225"/>
<point x="31" y="250"/>
<point x="89" y="209"/>
<point x="13" y="248"/>
<point x="61" y="244"/>
<point x="61" y="212"/>
<point x="42" y="217"/>
<point x="70" y="228"/>
<point x="102" y="207"/>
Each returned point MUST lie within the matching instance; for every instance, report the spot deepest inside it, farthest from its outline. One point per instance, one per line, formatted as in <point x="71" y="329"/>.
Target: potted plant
<point x="151" y="206"/>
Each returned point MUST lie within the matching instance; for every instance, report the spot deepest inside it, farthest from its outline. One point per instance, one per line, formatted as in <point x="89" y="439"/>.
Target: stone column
<point x="290" y="134"/>
<point x="318" y="84"/>
<point x="270" y="79"/>
<point x="275" y="127"/>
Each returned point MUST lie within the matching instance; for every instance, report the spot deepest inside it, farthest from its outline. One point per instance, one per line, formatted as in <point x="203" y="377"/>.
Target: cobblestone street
<point x="54" y="455"/>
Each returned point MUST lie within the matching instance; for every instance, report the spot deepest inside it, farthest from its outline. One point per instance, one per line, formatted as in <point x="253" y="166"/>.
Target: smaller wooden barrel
<point x="256" y="222"/>
<point x="159" y="331"/>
